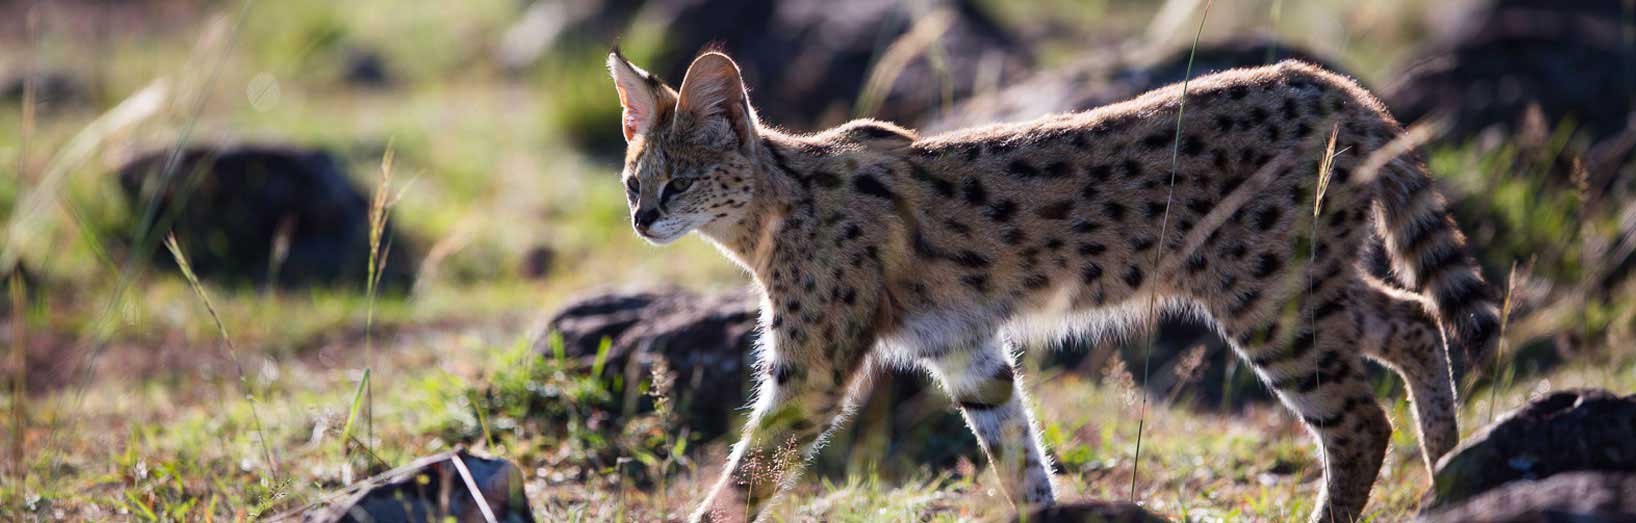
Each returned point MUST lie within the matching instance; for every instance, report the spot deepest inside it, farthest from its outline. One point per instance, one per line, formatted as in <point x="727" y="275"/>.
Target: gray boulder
<point x="1570" y="497"/>
<point x="430" y="489"/>
<point x="1564" y="431"/>
<point x="260" y="214"/>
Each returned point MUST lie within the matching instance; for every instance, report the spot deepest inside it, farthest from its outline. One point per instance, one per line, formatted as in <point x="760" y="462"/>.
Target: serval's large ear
<point x="714" y="107"/>
<point x="646" y="99"/>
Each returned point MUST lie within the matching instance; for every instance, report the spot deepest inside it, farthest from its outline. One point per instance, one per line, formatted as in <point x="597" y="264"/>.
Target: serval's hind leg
<point x="981" y="380"/>
<point x="1315" y="365"/>
<point x="1400" y="332"/>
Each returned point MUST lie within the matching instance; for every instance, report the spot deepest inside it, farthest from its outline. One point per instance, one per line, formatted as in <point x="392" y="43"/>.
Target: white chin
<point x="660" y="240"/>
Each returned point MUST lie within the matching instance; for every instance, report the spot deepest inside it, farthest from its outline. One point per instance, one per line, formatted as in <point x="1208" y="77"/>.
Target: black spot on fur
<point x="1302" y="130"/>
<point x="1022" y="169"/>
<point x="1056" y="211"/>
<point x="1114" y="211"/>
<point x="1036" y="281"/>
<point x="1013" y="236"/>
<point x="1085" y="227"/>
<point x="1258" y="116"/>
<point x="1091" y="249"/>
<point x="1224" y="123"/>
<point x="1141" y="244"/>
<point x="970" y="259"/>
<point x="1192" y="145"/>
<point x="1099" y="172"/>
<point x="1092" y="272"/>
<point x="977" y="282"/>
<point x="1155" y="209"/>
<point x="1132" y="169"/>
<point x="867" y="185"/>
<point x="1199" y="206"/>
<point x="1267" y="264"/>
<point x="974" y="192"/>
<point x="1001" y="211"/>
<point x="1266" y="218"/>
<point x="1133" y="276"/>
<point x="1057" y="170"/>
<point x="1157" y="140"/>
<point x="943" y="187"/>
<point x="1197" y="263"/>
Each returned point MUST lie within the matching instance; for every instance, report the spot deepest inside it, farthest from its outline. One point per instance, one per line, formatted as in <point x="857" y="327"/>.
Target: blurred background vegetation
<point x="486" y="130"/>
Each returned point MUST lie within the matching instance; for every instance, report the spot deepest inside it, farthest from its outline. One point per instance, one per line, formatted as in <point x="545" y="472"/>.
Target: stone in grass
<point x="706" y="340"/>
<point x="1569" y="497"/>
<point x="262" y="214"/>
<point x="1564" y="431"/>
<point x="432" y="488"/>
<point x="1089" y="512"/>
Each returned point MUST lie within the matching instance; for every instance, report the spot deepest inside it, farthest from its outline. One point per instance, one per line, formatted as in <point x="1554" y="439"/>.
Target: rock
<point x="263" y="214"/>
<point x="538" y="262"/>
<point x="1519" y="68"/>
<point x="53" y="90"/>
<point x="807" y="62"/>
<point x="705" y="340"/>
<point x="429" y="489"/>
<point x="1569" y="430"/>
<point x="1569" y="497"/>
<point x="365" y="67"/>
<point x="1107" y="78"/>
<point x="708" y="342"/>
<point x="1090" y="512"/>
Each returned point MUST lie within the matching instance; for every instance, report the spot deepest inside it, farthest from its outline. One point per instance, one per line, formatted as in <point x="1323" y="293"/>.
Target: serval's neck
<point x="781" y="164"/>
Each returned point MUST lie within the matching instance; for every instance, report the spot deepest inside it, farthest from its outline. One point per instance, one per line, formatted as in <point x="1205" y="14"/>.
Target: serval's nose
<point x="644" y="218"/>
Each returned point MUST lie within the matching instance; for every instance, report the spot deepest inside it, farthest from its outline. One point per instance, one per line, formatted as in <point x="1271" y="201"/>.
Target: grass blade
<point x="232" y="349"/>
<point x="1158" y="254"/>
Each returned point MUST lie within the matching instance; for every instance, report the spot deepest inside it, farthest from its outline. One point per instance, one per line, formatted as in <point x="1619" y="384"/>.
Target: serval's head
<point x="690" y="154"/>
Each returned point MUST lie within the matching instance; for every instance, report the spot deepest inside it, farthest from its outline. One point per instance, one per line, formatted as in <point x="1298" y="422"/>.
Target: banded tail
<point x="1428" y="252"/>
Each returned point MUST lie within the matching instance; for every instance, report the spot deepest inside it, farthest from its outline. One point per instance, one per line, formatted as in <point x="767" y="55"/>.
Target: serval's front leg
<point x="981" y="380"/>
<point x="802" y="393"/>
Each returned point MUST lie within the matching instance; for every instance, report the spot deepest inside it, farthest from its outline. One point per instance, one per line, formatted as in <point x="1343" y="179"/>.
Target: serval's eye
<point x="680" y="185"/>
<point x="633" y="186"/>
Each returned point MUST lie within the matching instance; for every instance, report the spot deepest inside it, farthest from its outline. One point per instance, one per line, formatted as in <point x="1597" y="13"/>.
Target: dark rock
<point x="707" y="342"/>
<point x="1569" y="430"/>
<point x="1513" y="70"/>
<point x="538" y="262"/>
<point x="432" y="488"/>
<point x="1569" y="497"/>
<point x="807" y="62"/>
<point x="1090" y="512"/>
<point x="277" y="215"/>
<point x="365" y="68"/>
<point x="1109" y="77"/>
<point x="53" y="90"/>
<point x="1566" y="57"/>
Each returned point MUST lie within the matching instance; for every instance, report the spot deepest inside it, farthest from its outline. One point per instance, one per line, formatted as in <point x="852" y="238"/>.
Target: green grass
<point x="163" y="430"/>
